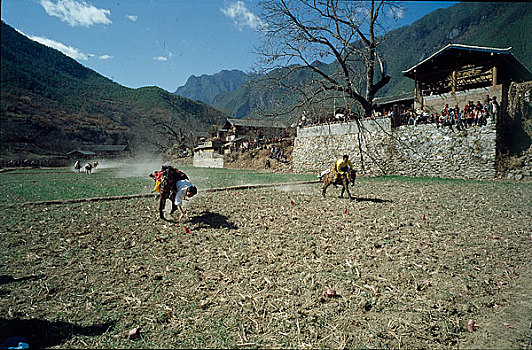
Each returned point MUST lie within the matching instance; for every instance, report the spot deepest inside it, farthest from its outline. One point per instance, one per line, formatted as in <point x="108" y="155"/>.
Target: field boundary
<point x="112" y="198"/>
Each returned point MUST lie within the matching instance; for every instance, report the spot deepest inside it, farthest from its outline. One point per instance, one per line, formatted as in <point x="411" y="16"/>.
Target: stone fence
<point x="377" y="149"/>
<point x="208" y="159"/>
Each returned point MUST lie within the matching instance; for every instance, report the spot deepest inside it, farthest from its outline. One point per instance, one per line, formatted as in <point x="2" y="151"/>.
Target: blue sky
<point x="155" y="42"/>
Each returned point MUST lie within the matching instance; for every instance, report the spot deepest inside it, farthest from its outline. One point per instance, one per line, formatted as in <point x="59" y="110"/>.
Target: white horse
<point x="77" y="166"/>
<point x="88" y="168"/>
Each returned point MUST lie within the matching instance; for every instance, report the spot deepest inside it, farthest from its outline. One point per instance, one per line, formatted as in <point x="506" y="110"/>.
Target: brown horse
<point x="329" y="179"/>
<point x="168" y="188"/>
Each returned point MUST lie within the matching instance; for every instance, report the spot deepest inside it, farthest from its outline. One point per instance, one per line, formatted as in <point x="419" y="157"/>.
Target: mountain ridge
<point x="51" y="104"/>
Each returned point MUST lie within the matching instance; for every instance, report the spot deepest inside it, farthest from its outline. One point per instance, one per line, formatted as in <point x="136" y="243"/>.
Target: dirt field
<point x="251" y="272"/>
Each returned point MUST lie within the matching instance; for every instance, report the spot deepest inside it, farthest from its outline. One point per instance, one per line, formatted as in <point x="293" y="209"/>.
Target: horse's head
<point x="352" y="176"/>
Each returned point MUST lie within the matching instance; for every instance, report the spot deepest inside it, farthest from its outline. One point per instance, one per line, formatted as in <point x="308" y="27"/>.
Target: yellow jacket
<point x="341" y="167"/>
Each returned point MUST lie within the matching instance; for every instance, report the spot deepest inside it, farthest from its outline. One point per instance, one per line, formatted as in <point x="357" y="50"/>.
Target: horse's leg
<point x="162" y="203"/>
<point x="346" y="187"/>
<point x="326" y="183"/>
<point x="172" y="199"/>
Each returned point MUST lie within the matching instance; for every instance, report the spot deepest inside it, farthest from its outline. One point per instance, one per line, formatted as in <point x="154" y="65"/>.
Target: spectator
<point x="478" y="112"/>
<point x="494" y="110"/>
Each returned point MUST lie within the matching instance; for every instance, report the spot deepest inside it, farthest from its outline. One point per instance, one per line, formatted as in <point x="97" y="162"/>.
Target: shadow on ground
<point x="5" y="279"/>
<point x="212" y="220"/>
<point x="374" y="200"/>
<point x="42" y="333"/>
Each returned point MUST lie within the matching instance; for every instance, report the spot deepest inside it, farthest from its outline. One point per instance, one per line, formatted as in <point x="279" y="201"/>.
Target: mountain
<point x="51" y="104"/>
<point x="206" y="87"/>
<point x="492" y="24"/>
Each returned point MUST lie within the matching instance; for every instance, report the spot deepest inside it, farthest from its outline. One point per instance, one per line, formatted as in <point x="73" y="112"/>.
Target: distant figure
<point x="494" y="110"/>
<point x="77" y="166"/>
<point x="88" y="168"/>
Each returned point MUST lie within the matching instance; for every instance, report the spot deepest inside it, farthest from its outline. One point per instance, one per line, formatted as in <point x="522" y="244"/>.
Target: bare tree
<point x="300" y="33"/>
<point x="172" y="137"/>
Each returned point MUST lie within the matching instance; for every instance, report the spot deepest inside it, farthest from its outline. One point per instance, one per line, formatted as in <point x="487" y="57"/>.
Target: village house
<point x="238" y="133"/>
<point x="99" y="151"/>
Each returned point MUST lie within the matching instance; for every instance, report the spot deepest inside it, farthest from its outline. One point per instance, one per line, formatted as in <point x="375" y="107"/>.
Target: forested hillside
<point x="51" y="104"/>
<point x="493" y="24"/>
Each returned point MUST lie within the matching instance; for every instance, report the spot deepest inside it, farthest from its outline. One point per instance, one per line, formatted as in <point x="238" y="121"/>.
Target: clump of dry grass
<point x="252" y="271"/>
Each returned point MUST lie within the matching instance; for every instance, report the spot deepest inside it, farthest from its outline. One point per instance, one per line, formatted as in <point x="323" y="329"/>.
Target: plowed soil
<point x="410" y="261"/>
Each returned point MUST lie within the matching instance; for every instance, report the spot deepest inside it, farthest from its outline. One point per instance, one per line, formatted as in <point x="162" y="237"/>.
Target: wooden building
<point x="255" y="128"/>
<point x="80" y="154"/>
<point x="99" y="151"/>
<point x="397" y="104"/>
<point x="458" y="73"/>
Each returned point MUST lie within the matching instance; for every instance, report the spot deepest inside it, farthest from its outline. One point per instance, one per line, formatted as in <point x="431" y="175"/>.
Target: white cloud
<point x="161" y="58"/>
<point x="76" y="13"/>
<point x="131" y="17"/>
<point x="105" y="57"/>
<point x="241" y="16"/>
<point x="70" y="51"/>
<point x="396" y="12"/>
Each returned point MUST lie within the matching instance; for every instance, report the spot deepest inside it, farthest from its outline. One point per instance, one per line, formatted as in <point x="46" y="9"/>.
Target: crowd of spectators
<point x="472" y="114"/>
<point x="278" y="154"/>
<point x="276" y="146"/>
<point x="32" y="163"/>
<point x="262" y="143"/>
<point x="320" y="120"/>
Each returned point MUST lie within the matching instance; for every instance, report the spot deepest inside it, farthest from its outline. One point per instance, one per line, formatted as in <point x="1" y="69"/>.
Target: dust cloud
<point x="136" y="167"/>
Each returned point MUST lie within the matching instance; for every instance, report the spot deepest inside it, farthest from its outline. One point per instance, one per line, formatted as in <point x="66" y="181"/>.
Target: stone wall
<point x="376" y="149"/>
<point x="426" y="150"/>
<point x="204" y="159"/>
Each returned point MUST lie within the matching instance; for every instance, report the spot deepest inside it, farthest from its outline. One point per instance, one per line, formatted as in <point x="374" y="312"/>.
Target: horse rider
<point x="342" y="167"/>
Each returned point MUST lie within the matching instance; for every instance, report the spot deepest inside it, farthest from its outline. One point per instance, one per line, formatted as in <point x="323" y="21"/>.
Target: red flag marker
<point x="187" y="230"/>
<point x="235" y="193"/>
<point x="291" y="201"/>
<point x="345" y="211"/>
<point x="424" y="219"/>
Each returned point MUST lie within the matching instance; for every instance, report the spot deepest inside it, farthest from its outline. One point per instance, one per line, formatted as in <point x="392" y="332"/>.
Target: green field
<point x="118" y="180"/>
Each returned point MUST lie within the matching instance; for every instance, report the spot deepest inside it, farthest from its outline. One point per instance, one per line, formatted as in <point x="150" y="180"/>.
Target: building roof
<point x="258" y="123"/>
<point x="103" y="148"/>
<point x="379" y="101"/>
<point x="453" y="55"/>
<point x="80" y="151"/>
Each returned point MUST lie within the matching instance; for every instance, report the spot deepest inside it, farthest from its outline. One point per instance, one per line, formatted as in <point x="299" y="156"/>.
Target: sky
<point x="160" y="43"/>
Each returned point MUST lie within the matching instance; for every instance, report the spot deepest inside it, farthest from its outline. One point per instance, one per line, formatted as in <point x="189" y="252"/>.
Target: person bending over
<point x="185" y="189"/>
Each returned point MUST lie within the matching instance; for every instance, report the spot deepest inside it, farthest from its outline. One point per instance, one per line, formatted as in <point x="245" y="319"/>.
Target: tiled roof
<point x="258" y="123"/>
